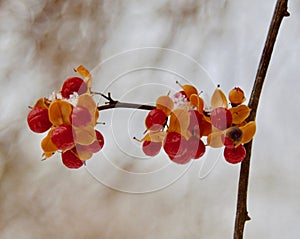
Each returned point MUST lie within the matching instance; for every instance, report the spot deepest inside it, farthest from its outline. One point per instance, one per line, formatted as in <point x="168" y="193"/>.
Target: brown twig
<point x="111" y="104"/>
<point x="118" y="104"/>
<point x="241" y="212"/>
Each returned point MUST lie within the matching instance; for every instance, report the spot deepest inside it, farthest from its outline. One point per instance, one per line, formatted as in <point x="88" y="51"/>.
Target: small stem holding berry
<point x="138" y="140"/>
<point x="241" y="212"/>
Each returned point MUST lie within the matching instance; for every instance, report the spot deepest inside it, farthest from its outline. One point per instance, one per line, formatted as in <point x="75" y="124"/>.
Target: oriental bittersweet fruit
<point x="71" y="160"/>
<point x="97" y="145"/>
<point x="151" y="148"/>
<point x="80" y="116"/>
<point x="183" y="158"/>
<point x="188" y="90"/>
<point x="221" y="118"/>
<point x="62" y="137"/>
<point x="73" y="84"/>
<point x="195" y="119"/>
<point x="218" y="99"/>
<point x="172" y="143"/>
<point x="233" y="136"/>
<point x="196" y="147"/>
<point x="176" y="147"/>
<point x="180" y="95"/>
<point x="228" y="142"/>
<point x="165" y="103"/>
<point x="155" y="120"/>
<point x="81" y="152"/>
<point x="236" y="96"/>
<point x="235" y="155"/>
<point x="38" y="120"/>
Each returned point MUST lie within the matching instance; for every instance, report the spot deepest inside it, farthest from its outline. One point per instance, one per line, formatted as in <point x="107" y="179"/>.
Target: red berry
<point x="228" y="142"/>
<point x="38" y="120"/>
<point x="221" y="118"/>
<point x="176" y="147"/>
<point x="196" y="147"/>
<point x="172" y="143"/>
<point x="71" y="160"/>
<point x="183" y="156"/>
<point x="195" y="119"/>
<point x="97" y="145"/>
<point x="73" y="84"/>
<point x="62" y="137"/>
<point x="151" y="148"/>
<point x="80" y="116"/>
<point x="232" y="136"/>
<point x="155" y="120"/>
<point x="205" y="127"/>
<point x="180" y="98"/>
<point x="180" y="95"/>
<point x="235" y="155"/>
<point x="181" y="159"/>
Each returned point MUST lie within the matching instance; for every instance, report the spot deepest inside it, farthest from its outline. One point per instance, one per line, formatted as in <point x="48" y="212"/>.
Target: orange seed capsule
<point x="214" y="139"/>
<point x="248" y="130"/>
<point x="239" y="113"/>
<point x="59" y="112"/>
<point x="218" y="99"/>
<point x="179" y="122"/>
<point x="47" y="145"/>
<point x="42" y="103"/>
<point x="188" y="89"/>
<point x="236" y="96"/>
<point x="165" y="103"/>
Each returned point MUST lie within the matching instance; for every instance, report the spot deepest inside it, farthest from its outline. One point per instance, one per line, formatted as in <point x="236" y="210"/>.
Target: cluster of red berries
<point x="183" y="128"/>
<point x="177" y="131"/>
<point x="183" y="125"/>
<point x="70" y="117"/>
<point x="230" y="128"/>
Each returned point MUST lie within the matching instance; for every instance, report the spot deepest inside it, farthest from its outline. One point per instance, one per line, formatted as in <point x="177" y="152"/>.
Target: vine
<point x="281" y="11"/>
<point x="181" y="124"/>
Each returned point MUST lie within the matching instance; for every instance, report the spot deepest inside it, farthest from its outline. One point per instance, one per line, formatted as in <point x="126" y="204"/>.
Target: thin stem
<point x="118" y="104"/>
<point x="111" y="104"/>
<point x="241" y="212"/>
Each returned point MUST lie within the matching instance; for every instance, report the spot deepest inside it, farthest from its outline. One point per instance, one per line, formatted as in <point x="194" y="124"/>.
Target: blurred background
<point x="40" y="44"/>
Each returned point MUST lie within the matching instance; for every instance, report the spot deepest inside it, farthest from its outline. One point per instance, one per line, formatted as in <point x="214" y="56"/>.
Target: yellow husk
<point x="214" y="139"/>
<point x="218" y="99"/>
<point x="165" y="103"/>
<point x="179" y="122"/>
<point x="239" y="113"/>
<point x="59" y="112"/>
<point x="249" y="130"/>
<point x="84" y="135"/>
<point x="47" y="145"/>
<point x="155" y="136"/>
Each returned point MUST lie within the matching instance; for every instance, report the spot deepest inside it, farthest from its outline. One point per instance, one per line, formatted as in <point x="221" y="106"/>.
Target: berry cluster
<point x="70" y="117"/>
<point x="230" y="128"/>
<point x="180" y="125"/>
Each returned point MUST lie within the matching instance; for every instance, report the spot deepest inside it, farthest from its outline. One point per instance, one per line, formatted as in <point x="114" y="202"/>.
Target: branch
<point x="118" y="104"/>
<point x="111" y="104"/>
<point x="241" y="212"/>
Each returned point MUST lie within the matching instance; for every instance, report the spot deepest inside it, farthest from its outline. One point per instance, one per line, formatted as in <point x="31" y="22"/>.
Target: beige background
<point x="41" y="42"/>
